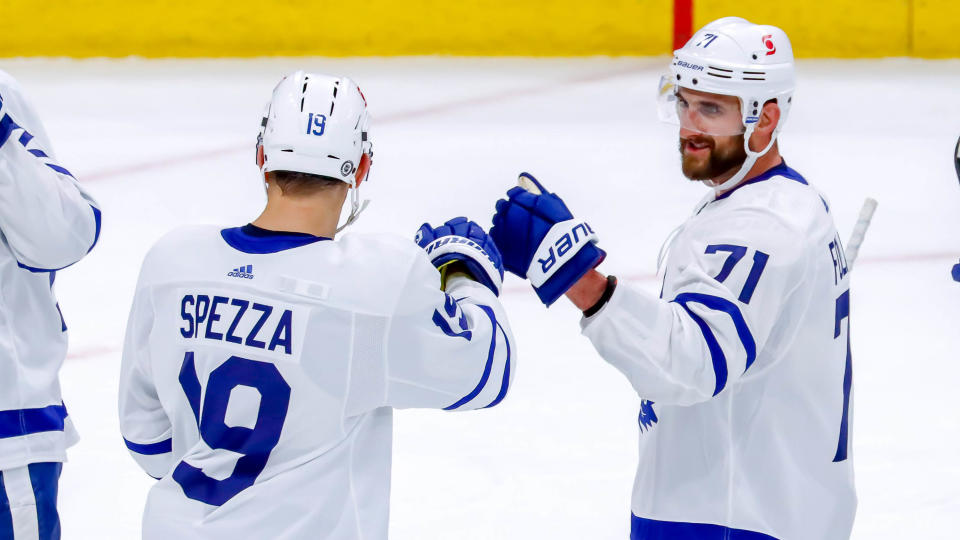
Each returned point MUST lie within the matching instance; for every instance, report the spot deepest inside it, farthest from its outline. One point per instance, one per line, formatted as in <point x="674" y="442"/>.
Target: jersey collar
<point x="256" y="240"/>
<point x="779" y="170"/>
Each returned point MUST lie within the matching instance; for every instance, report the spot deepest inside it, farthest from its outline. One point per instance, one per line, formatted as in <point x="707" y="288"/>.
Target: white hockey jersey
<point x="260" y="370"/>
<point x="47" y="222"/>
<point x="745" y="369"/>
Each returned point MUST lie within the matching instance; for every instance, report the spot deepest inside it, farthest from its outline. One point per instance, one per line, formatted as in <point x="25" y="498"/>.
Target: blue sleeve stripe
<point x="96" y="238"/>
<point x="151" y="449"/>
<point x="505" y="382"/>
<point x="717" y="303"/>
<point x="18" y="422"/>
<point x="644" y="529"/>
<point x="96" y="232"/>
<point x="59" y="169"/>
<point x="7" y="127"/>
<point x="488" y="367"/>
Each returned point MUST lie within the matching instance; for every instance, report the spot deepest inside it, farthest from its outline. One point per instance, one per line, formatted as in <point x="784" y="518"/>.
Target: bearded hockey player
<point x="47" y="222"/>
<point x="262" y="362"/>
<point x="743" y="362"/>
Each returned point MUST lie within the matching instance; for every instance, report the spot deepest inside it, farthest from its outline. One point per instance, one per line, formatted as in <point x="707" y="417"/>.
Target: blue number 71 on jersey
<point x="736" y="253"/>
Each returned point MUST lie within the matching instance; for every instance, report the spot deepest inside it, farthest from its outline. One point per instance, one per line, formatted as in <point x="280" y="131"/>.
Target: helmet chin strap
<point x="356" y="206"/>
<point x="748" y="163"/>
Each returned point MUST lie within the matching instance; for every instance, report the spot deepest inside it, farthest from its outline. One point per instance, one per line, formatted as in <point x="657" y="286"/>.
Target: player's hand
<point x="462" y="244"/>
<point x="540" y="239"/>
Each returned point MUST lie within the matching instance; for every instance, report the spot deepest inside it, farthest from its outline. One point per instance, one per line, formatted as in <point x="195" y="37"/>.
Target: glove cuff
<point x="558" y="249"/>
<point x="567" y="275"/>
<point x="450" y="248"/>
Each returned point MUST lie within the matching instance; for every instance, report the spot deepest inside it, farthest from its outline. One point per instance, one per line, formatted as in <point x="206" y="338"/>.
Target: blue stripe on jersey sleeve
<point x="487" y="367"/>
<point x="96" y="238"/>
<point x="18" y="422"/>
<point x="651" y="529"/>
<point x="151" y="449"/>
<point x="717" y="303"/>
<point x="7" y="127"/>
<point x="505" y="382"/>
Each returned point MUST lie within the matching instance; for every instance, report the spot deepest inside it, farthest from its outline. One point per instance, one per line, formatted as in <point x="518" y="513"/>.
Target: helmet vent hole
<point x="304" y="86"/>
<point x="286" y="149"/>
<point x="332" y="103"/>
<point x="678" y="77"/>
<point x="694" y="81"/>
<point x="756" y="103"/>
<point x="301" y="103"/>
<point x="331" y="156"/>
<point x="335" y="91"/>
<point x="720" y="69"/>
<point x="754" y="57"/>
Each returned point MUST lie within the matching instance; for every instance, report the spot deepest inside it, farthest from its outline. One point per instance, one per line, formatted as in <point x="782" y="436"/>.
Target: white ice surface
<point x="161" y="143"/>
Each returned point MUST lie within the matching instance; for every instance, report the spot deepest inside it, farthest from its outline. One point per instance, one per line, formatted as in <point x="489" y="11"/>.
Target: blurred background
<point x="155" y="105"/>
<point x="248" y="28"/>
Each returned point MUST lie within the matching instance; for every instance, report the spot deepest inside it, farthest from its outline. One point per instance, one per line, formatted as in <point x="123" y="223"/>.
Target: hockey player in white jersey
<point x="47" y="222"/>
<point x="262" y="362"/>
<point x="743" y="362"/>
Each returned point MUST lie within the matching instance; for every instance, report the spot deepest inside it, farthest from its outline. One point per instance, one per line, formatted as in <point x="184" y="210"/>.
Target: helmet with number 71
<point x="316" y="124"/>
<point x="734" y="57"/>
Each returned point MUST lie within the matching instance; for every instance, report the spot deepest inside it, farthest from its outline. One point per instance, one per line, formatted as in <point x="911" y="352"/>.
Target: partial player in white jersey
<point x="47" y="222"/>
<point x="262" y="362"/>
<point x="743" y="362"/>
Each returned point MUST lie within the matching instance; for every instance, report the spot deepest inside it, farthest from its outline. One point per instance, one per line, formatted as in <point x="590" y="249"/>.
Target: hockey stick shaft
<point x="860" y="230"/>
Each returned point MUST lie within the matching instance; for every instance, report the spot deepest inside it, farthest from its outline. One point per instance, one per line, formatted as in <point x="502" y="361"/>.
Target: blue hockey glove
<point x="460" y="240"/>
<point x="540" y="240"/>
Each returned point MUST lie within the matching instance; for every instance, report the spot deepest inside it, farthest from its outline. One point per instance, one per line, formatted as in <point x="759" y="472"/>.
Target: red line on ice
<point x="175" y="161"/>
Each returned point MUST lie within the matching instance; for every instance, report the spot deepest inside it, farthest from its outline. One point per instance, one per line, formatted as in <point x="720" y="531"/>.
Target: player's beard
<point x="728" y="156"/>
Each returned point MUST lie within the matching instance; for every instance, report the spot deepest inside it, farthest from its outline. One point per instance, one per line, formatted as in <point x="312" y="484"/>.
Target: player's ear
<point x="769" y="117"/>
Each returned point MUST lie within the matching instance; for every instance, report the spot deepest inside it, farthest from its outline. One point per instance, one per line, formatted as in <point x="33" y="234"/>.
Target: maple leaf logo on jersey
<point x="245" y="272"/>
<point x="647" y="416"/>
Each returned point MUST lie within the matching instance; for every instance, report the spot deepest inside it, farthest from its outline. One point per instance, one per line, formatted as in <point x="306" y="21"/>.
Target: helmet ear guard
<point x="260" y="158"/>
<point x="363" y="169"/>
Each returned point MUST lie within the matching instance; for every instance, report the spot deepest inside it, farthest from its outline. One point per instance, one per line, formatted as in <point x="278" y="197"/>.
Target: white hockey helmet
<point x="317" y="124"/>
<point x="734" y="57"/>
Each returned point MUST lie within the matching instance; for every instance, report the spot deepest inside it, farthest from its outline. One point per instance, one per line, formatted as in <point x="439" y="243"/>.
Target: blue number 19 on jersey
<point x="254" y="444"/>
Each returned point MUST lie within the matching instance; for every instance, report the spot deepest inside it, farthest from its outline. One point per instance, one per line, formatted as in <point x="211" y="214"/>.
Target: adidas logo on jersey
<point x="245" y="272"/>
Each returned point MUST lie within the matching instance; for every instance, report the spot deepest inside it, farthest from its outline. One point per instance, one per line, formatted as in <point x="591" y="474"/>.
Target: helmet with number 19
<point x="318" y="124"/>
<point x="731" y="57"/>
